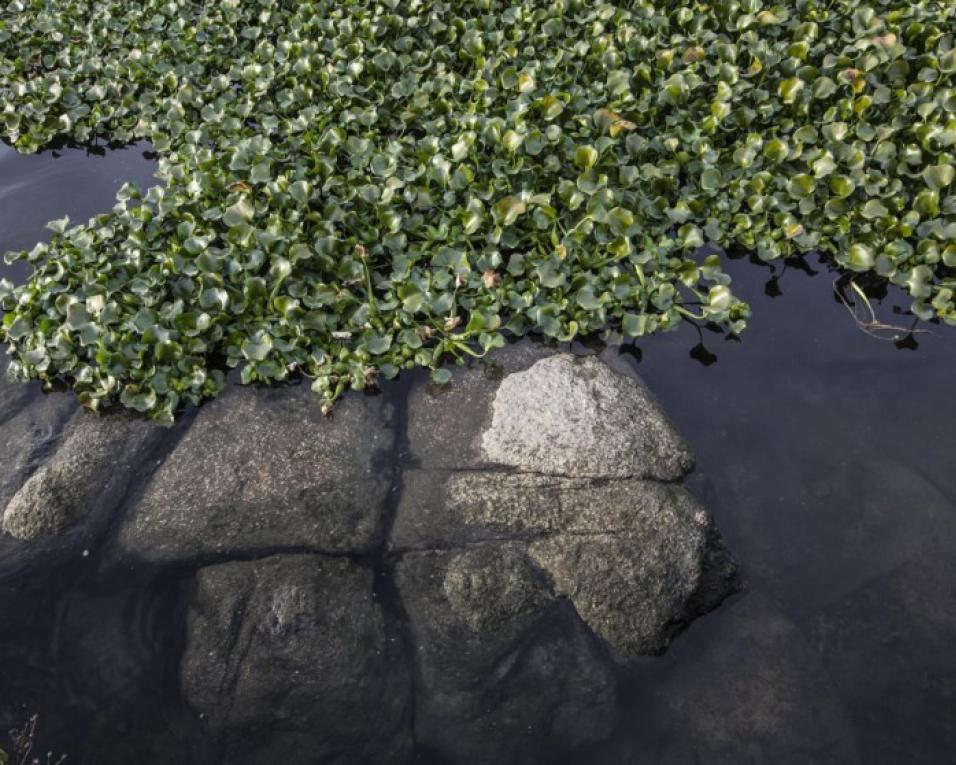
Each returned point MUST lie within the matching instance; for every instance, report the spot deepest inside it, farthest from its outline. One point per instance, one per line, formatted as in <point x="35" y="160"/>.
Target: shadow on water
<point x="826" y="455"/>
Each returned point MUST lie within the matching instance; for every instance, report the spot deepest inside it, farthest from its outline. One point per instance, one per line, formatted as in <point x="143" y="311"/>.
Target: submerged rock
<point x="88" y="471"/>
<point x="30" y="433"/>
<point x="634" y="594"/>
<point x="84" y="473"/>
<point x="290" y="659"/>
<point x="743" y="696"/>
<point x="542" y="513"/>
<point x="15" y="396"/>
<point x="264" y="470"/>
<point x="506" y="672"/>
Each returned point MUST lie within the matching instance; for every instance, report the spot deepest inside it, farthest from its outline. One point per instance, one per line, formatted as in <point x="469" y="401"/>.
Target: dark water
<point x="827" y="456"/>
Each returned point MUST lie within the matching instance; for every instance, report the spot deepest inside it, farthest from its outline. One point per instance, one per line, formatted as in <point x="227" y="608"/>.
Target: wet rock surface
<point x="73" y="475"/>
<point x="30" y="430"/>
<point x="464" y="575"/>
<point x="291" y="659"/>
<point x="539" y="411"/>
<point x="575" y="464"/>
<point x="87" y="473"/>
<point x="592" y="540"/>
<point x="744" y="698"/>
<point x="488" y="629"/>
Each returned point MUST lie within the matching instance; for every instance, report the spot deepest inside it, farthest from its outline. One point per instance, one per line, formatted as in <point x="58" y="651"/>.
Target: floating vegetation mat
<point x="350" y="188"/>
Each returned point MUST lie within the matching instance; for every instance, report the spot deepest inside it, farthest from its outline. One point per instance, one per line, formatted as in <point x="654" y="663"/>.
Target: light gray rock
<point x="540" y="411"/>
<point x="638" y="559"/>
<point x="445" y="423"/>
<point x="458" y="507"/>
<point x="83" y="480"/>
<point x="577" y="462"/>
<point x="263" y="470"/>
<point x="574" y="416"/>
<point x="506" y="672"/>
<point x="291" y="659"/>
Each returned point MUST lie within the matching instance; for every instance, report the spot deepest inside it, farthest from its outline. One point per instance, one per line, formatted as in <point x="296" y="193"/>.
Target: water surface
<point x="827" y="456"/>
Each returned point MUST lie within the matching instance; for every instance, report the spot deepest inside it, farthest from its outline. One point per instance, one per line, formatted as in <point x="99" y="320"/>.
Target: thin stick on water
<point x="865" y="317"/>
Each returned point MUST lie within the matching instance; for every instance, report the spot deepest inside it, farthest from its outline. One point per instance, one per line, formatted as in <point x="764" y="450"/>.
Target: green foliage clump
<point x="353" y="188"/>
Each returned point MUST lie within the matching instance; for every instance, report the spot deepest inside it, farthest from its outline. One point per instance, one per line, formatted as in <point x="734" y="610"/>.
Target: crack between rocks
<point x="581" y="479"/>
<point x="206" y="560"/>
<point x="232" y="671"/>
<point x="385" y="584"/>
<point x="517" y="537"/>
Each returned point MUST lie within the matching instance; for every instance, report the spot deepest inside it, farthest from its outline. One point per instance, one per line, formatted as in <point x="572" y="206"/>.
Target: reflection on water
<point x="825" y="454"/>
<point x="79" y="183"/>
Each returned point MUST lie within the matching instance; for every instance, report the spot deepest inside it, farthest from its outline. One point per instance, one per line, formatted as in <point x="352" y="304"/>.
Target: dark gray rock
<point x="67" y="504"/>
<point x="30" y="432"/>
<point x="537" y="532"/>
<point x="88" y="472"/>
<point x="502" y="665"/>
<point x="577" y="463"/>
<point x="264" y="470"/>
<point x="898" y="625"/>
<point x="637" y="589"/>
<point x="290" y="659"/>
<point x="15" y="396"/>
<point x="754" y="692"/>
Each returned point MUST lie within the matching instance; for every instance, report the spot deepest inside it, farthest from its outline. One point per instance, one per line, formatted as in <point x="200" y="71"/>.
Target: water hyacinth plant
<point x="353" y="188"/>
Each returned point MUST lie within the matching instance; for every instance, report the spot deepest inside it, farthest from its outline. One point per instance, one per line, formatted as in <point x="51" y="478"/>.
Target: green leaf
<point x="336" y="182"/>
<point x="859" y="257"/>
<point x="59" y="226"/>
<point x="551" y="107"/>
<point x="588" y="300"/>
<point x="257" y="346"/>
<point x="378" y="344"/>
<point x="300" y="191"/>
<point x="842" y="186"/>
<point x="634" y="325"/>
<point x="776" y="150"/>
<point x="585" y="157"/>
<point x="620" y="220"/>
<point x="261" y="172"/>
<point x="508" y="210"/>
<point x="874" y="209"/>
<point x="938" y="177"/>
<point x="719" y="299"/>
<point x="239" y="213"/>
<point x="789" y="89"/>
